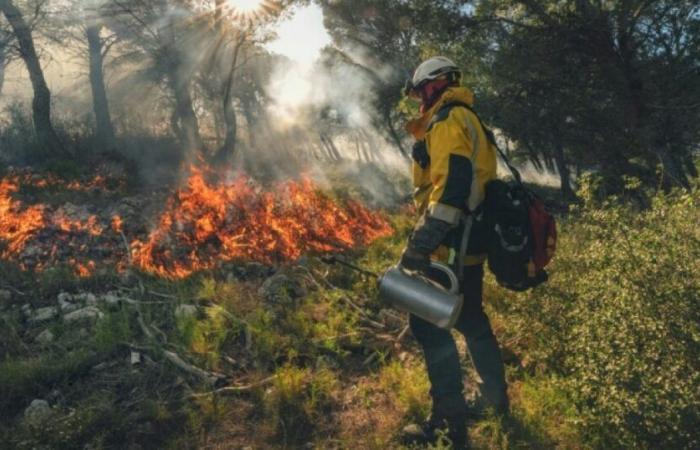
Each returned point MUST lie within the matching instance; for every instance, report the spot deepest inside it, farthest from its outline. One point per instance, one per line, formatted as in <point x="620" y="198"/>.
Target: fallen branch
<point x="208" y="377"/>
<point x="230" y="390"/>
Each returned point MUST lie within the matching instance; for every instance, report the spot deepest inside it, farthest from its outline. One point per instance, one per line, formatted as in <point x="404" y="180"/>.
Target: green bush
<point x="619" y="322"/>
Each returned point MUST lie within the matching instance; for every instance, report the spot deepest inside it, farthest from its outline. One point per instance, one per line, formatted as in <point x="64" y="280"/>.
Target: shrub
<point x="619" y="322"/>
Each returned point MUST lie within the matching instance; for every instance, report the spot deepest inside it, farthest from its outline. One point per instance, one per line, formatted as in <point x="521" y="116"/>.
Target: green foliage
<point x="619" y="323"/>
<point x="112" y="331"/>
<point x="408" y="386"/>
<point x="23" y="379"/>
<point x="299" y="400"/>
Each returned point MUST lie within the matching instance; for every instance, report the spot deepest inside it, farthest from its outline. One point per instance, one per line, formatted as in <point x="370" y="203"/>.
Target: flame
<point x="17" y="224"/>
<point x="203" y="223"/>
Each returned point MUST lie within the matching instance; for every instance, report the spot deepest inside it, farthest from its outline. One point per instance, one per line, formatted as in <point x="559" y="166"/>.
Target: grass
<point x="583" y="351"/>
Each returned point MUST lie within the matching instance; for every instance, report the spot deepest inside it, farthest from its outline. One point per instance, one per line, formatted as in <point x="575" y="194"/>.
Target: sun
<point x="245" y="6"/>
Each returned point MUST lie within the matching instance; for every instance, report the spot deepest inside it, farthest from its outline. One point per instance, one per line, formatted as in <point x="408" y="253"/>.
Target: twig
<point x="189" y="368"/>
<point x="158" y="294"/>
<point x="235" y="389"/>
<point x="13" y="289"/>
<point x="128" y="249"/>
<point x="403" y="334"/>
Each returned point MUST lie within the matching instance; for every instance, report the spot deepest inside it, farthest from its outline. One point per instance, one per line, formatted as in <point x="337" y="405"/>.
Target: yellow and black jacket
<point x="461" y="161"/>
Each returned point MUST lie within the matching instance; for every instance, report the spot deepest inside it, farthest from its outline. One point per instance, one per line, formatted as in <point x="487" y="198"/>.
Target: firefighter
<point x="453" y="161"/>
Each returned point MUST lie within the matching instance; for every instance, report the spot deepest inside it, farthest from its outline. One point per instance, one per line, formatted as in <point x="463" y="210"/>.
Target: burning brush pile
<point x="203" y="223"/>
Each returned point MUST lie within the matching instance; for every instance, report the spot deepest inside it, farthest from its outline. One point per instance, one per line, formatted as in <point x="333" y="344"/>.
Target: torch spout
<point x="329" y="259"/>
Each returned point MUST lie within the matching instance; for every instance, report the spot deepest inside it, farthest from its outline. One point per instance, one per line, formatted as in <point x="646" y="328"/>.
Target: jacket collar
<point x="418" y="126"/>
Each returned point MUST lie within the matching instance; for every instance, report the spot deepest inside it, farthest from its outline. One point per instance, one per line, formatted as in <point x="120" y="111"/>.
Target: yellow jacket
<point x="462" y="159"/>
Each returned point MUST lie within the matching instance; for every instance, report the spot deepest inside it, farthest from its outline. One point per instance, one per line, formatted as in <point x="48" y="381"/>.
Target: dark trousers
<point x="442" y="358"/>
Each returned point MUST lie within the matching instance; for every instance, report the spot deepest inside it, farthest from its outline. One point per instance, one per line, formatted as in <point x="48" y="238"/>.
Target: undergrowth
<point x="605" y="355"/>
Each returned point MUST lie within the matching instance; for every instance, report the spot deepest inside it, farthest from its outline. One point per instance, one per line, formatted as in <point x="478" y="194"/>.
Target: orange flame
<point x="205" y="223"/>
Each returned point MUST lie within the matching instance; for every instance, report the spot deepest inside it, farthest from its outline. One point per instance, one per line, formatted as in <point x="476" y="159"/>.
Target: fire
<point x="206" y="223"/>
<point x="203" y="224"/>
<point x="17" y="224"/>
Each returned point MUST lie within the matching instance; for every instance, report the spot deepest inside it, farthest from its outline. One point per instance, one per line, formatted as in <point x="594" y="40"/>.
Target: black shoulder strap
<point x="444" y="111"/>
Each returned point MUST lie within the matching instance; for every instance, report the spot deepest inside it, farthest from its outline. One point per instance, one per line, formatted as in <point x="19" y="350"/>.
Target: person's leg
<point x="446" y="388"/>
<point x="481" y="342"/>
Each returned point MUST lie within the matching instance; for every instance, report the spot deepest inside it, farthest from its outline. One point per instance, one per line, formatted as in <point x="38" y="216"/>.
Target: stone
<point x="26" y="310"/>
<point x="111" y="299"/>
<point x="65" y="303"/>
<point x="45" y="337"/>
<point x="86" y="298"/>
<point x="135" y="358"/>
<point x="186" y="311"/>
<point x="65" y="297"/>
<point x="37" y="413"/>
<point x="44" y="314"/>
<point x="280" y="288"/>
<point x="87" y="314"/>
<point x="5" y="295"/>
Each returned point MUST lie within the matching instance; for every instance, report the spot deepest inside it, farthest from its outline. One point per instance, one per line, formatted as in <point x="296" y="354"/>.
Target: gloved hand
<point x="415" y="260"/>
<point x="419" y="153"/>
<point x="425" y="239"/>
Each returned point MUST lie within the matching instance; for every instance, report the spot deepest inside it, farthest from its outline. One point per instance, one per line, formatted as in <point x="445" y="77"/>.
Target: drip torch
<point x="432" y="296"/>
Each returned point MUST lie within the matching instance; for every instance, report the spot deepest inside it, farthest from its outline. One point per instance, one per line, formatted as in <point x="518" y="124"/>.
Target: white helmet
<point x="433" y="68"/>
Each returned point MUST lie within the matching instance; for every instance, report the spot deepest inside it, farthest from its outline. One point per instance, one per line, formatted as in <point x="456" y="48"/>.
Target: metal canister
<point x="433" y="297"/>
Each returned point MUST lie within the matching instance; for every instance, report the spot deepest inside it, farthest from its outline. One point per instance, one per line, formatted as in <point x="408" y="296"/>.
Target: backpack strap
<point x="444" y="112"/>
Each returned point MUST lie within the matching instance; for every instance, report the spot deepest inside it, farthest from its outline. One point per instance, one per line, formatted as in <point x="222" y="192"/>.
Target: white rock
<point x="64" y="297"/>
<point x="87" y="314"/>
<point x="90" y="299"/>
<point x="185" y="311"/>
<point x="135" y="358"/>
<point x="5" y="295"/>
<point x="37" y="413"/>
<point x="66" y="306"/>
<point x="87" y="298"/>
<point x="111" y="299"/>
<point x="45" y="337"/>
<point x="44" y="314"/>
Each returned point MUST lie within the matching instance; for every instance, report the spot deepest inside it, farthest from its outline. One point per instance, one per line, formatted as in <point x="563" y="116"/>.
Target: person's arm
<point x="451" y="174"/>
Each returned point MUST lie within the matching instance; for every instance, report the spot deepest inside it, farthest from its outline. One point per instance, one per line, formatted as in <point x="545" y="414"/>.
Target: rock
<point x="87" y="314"/>
<point x="44" y="314"/>
<point x="65" y="297"/>
<point x="135" y="358"/>
<point x="64" y="303"/>
<point x="45" y="337"/>
<point x="5" y="295"/>
<point x="185" y="311"/>
<point x="281" y="289"/>
<point x="86" y="298"/>
<point x="37" y="413"/>
<point x="111" y="299"/>
<point x="26" y="310"/>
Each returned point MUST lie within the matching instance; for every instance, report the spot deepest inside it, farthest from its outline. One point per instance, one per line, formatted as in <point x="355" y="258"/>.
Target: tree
<point x="613" y="85"/>
<point x="41" y="105"/>
<point x="96" y="55"/>
<point x="166" y="42"/>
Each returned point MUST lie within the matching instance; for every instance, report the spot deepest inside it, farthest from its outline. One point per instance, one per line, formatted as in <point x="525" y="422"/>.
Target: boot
<point x="434" y="430"/>
<point x="446" y="423"/>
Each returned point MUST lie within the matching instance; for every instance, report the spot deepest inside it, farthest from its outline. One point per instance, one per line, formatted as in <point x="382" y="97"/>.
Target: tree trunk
<point x="103" y="120"/>
<point x="3" y="63"/>
<point x="564" y="174"/>
<point x="394" y="134"/>
<point x="187" y="129"/>
<point x="41" y="105"/>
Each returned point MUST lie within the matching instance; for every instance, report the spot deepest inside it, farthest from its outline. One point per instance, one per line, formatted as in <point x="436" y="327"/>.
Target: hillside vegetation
<point x="605" y="355"/>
